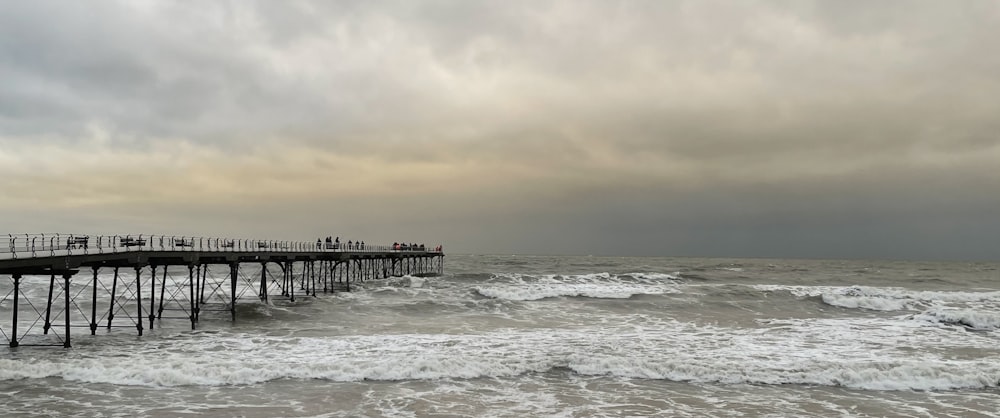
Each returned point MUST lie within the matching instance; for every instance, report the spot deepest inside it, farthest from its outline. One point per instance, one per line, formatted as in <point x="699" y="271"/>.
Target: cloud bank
<point x="806" y="129"/>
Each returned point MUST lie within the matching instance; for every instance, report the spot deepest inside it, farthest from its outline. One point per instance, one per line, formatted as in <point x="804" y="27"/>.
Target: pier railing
<point x="57" y="244"/>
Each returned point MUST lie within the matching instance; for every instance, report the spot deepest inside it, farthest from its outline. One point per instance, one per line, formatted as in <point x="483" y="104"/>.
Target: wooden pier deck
<point x="91" y="281"/>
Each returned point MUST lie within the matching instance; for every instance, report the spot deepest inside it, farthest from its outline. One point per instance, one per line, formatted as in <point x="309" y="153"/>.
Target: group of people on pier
<point x="412" y="247"/>
<point x="334" y="244"/>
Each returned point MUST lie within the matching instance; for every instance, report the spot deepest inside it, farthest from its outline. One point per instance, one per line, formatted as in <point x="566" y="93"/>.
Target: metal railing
<point x="51" y="245"/>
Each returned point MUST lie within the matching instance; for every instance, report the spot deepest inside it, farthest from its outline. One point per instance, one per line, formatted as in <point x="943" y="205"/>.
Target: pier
<point x="59" y="282"/>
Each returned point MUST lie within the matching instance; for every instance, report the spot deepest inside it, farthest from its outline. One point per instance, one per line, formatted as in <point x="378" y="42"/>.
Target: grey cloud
<point x="692" y="127"/>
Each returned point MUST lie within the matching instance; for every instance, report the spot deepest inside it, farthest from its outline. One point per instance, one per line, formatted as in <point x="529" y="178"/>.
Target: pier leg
<point x="163" y="289"/>
<point x="114" y="289"/>
<point x="152" y="298"/>
<point x="66" y="313"/>
<point x="312" y="272"/>
<point x="199" y="285"/>
<point x="48" y="305"/>
<point x="291" y="279"/>
<point x="138" y="299"/>
<point x="13" y="325"/>
<point x="262" y="292"/>
<point x="201" y="293"/>
<point x="303" y="284"/>
<point x="93" y="306"/>
<point x="284" y="278"/>
<point x="191" y="301"/>
<point x="233" y="271"/>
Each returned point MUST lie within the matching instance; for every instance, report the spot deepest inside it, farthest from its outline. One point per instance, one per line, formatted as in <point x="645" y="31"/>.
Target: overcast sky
<point x="865" y="129"/>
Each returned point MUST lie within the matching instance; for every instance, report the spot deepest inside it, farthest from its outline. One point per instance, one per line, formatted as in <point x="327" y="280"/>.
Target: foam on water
<point x="973" y="319"/>
<point x="737" y="339"/>
<point x="883" y="298"/>
<point x="833" y="353"/>
<point x="518" y="287"/>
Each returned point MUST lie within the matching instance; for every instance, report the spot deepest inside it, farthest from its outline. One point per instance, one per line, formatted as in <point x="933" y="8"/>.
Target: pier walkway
<point x="58" y="282"/>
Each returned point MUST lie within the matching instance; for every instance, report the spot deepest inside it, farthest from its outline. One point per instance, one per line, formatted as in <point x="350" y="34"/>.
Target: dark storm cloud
<point x="666" y="127"/>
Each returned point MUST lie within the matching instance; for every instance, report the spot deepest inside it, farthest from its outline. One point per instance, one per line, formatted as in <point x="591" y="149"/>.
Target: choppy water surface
<point x="560" y="336"/>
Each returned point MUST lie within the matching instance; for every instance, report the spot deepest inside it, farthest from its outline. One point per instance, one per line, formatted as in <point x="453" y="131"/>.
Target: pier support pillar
<point x="234" y="270"/>
<point x="191" y="301"/>
<point x="291" y="279"/>
<point x="138" y="299"/>
<point x="163" y="290"/>
<point x="13" y="326"/>
<point x="114" y="290"/>
<point x="152" y="298"/>
<point x="262" y="292"/>
<point x="48" y="305"/>
<point x="93" y="305"/>
<point x="66" y="298"/>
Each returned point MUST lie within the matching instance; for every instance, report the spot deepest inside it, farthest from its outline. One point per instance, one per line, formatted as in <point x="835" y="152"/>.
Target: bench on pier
<point x="183" y="243"/>
<point x="131" y="242"/>
<point x="261" y="245"/>
<point x="228" y="244"/>
<point x="77" y="242"/>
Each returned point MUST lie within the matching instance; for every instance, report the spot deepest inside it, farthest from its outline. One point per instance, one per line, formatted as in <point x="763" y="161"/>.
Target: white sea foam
<point x="655" y="277"/>
<point x="812" y="352"/>
<point x="539" y="291"/>
<point x="883" y="298"/>
<point x="866" y="302"/>
<point x="518" y="287"/>
<point x="975" y="319"/>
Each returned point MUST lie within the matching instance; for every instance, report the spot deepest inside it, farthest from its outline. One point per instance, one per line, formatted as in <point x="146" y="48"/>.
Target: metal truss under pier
<point x="63" y="281"/>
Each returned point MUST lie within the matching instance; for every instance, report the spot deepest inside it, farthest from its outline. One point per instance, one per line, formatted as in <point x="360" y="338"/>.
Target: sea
<point x="556" y="336"/>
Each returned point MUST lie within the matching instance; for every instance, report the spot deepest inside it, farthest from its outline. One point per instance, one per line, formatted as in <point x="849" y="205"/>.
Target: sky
<point x="819" y="129"/>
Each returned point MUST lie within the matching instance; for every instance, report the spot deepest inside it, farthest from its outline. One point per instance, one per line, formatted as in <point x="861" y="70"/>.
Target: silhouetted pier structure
<point x="174" y="274"/>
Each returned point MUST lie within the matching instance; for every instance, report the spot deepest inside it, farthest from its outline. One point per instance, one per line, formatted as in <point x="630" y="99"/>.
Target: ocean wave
<point x="545" y="291"/>
<point x="875" y="303"/>
<point x="969" y="318"/>
<point x="451" y="364"/>
<point x="596" y="278"/>
<point x="912" y="375"/>
<point x="521" y="287"/>
<point x="834" y="355"/>
<point x="883" y="298"/>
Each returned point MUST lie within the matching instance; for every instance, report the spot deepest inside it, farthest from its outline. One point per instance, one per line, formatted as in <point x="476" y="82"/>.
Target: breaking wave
<point x="881" y="298"/>
<point x="663" y="355"/>
<point x="517" y="287"/>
